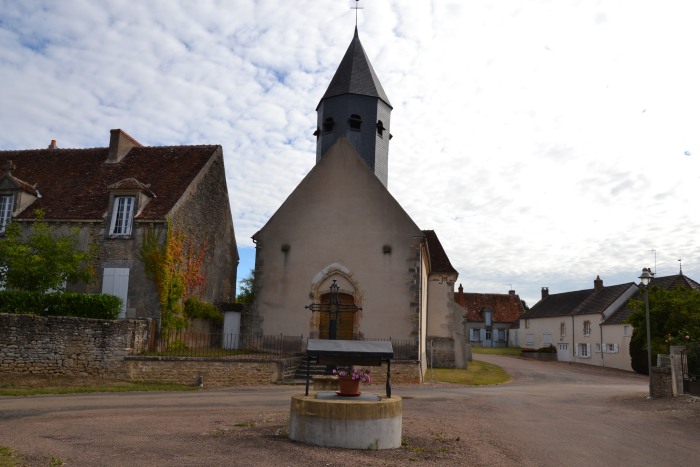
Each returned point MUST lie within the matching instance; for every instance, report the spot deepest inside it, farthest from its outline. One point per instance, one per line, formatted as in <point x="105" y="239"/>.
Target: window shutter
<point x="616" y="348"/>
<point x="115" y="281"/>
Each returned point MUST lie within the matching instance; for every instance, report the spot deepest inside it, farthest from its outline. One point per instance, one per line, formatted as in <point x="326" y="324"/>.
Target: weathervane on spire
<point x="356" y="7"/>
<point x="680" y="265"/>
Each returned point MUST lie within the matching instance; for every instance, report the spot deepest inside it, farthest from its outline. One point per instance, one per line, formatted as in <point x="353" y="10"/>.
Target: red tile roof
<point x="75" y="183"/>
<point x="439" y="262"/>
<point x="506" y="307"/>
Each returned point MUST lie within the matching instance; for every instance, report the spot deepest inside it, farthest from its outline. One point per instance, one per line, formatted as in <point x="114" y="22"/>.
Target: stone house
<point x="342" y="226"/>
<point x="112" y="195"/>
<point x="488" y="317"/>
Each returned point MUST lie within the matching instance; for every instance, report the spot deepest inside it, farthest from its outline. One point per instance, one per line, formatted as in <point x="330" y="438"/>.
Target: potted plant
<point x="349" y="381"/>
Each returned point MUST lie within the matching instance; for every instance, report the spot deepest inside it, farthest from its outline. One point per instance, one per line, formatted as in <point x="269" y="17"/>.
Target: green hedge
<point x="195" y="309"/>
<point x="98" y="306"/>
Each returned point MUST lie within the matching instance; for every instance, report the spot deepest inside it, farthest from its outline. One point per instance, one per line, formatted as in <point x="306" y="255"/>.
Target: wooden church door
<point x="346" y="319"/>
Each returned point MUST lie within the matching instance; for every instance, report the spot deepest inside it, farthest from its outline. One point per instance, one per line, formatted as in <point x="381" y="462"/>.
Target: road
<point x="551" y="413"/>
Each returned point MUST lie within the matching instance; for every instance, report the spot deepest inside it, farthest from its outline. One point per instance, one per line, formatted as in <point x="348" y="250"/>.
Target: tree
<point x="674" y="317"/>
<point x="247" y="294"/>
<point x="43" y="260"/>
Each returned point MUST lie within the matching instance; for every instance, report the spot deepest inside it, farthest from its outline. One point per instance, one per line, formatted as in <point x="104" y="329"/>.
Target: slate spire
<point x="355" y="75"/>
<point x="356" y="107"/>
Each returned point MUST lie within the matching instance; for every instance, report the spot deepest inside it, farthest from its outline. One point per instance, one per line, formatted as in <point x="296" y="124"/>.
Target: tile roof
<point x="506" y="307"/>
<point x="355" y="75"/>
<point x="665" y="282"/>
<point x="580" y="302"/>
<point x="439" y="262"/>
<point x="75" y="183"/>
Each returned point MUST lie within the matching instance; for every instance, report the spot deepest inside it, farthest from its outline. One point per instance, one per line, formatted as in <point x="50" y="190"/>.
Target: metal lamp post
<point x="645" y="279"/>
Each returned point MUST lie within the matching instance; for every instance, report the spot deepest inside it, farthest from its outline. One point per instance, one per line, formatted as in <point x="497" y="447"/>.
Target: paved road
<point x="550" y="414"/>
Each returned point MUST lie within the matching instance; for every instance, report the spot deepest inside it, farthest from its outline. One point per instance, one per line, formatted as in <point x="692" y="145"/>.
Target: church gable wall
<point x="340" y="214"/>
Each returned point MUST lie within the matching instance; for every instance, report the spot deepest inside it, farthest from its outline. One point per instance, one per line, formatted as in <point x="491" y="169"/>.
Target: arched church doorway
<point x="345" y="323"/>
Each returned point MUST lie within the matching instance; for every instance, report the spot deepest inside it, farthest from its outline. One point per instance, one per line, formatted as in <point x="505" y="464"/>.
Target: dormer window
<point x="328" y="125"/>
<point x="7" y="203"/>
<point x="380" y="128"/>
<point x="355" y="122"/>
<point x="122" y="215"/>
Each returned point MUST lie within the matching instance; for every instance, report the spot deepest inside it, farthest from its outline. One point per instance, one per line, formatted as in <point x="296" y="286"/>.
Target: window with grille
<point x="586" y="328"/>
<point x="6" y="205"/>
<point x="122" y="215"/>
<point x="584" y="350"/>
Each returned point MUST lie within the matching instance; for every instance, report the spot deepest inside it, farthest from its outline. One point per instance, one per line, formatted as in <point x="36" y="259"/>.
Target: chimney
<point x="460" y="295"/>
<point x="598" y="284"/>
<point x="545" y="292"/>
<point x="53" y="145"/>
<point x="511" y="292"/>
<point x="119" y="145"/>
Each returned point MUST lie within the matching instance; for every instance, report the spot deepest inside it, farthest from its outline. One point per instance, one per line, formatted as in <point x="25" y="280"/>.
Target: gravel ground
<point x="549" y="414"/>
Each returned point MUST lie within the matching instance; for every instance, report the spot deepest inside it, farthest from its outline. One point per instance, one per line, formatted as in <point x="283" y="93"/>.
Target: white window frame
<point x="546" y="339"/>
<point x="627" y="330"/>
<point x="562" y="329"/>
<point x="611" y="348"/>
<point x="123" y="209"/>
<point x="586" y="328"/>
<point x="7" y="204"/>
<point x="489" y="335"/>
<point x="583" y="350"/>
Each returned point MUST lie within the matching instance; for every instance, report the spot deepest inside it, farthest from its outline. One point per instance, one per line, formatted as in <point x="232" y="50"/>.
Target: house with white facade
<point x="575" y="323"/>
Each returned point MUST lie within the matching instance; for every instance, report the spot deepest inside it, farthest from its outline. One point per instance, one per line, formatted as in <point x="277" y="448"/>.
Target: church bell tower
<point x="356" y="107"/>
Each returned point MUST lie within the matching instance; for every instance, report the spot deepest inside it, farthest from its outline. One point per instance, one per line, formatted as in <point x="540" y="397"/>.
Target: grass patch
<point x="8" y="457"/>
<point x="497" y="350"/>
<point x="31" y="386"/>
<point x="476" y="374"/>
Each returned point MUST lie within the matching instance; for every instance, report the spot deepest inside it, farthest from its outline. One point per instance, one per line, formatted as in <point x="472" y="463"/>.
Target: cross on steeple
<point x="356" y="7"/>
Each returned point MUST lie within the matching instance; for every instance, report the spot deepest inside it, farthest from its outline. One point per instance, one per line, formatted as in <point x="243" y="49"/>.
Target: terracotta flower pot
<point x="348" y="387"/>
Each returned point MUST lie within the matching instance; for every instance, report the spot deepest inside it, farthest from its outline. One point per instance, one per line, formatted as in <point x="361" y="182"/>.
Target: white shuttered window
<point x="6" y="205"/>
<point x="122" y="215"/>
<point x="115" y="281"/>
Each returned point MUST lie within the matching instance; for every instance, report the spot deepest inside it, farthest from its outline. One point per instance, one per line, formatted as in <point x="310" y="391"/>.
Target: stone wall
<point x="212" y="372"/>
<point x="441" y="352"/>
<point x="69" y="346"/>
<point x="662" y="382"/>
<point x="402" y="372"/>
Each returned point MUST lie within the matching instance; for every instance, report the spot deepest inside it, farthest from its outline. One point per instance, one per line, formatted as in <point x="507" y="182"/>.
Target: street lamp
<point x="645" y="279"/>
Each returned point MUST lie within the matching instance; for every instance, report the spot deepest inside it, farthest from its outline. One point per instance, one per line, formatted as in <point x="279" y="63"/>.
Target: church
<point x="341" y="258"/>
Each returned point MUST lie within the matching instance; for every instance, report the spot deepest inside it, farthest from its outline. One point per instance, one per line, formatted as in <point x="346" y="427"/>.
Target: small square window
<point x="122" y="215"/>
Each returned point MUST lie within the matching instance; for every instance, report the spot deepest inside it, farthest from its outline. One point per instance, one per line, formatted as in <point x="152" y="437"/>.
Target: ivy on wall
<point x="174" y="265"/>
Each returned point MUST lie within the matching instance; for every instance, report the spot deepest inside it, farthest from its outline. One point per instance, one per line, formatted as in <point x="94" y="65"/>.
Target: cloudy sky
<point x="546" y="142"/>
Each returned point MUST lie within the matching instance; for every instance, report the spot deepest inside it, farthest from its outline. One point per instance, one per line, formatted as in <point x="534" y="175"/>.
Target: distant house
<point x="113" y="194"/>
<point x="488" y="317"/>
<point x="573" y="323"/>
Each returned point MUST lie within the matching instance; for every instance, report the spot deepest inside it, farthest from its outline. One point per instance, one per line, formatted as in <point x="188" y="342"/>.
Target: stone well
<point x="325" y="419"/>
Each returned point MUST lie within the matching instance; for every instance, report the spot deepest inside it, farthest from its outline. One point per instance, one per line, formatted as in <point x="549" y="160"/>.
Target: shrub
<point x="196" y="309"/>
<point x="97" y="306"/>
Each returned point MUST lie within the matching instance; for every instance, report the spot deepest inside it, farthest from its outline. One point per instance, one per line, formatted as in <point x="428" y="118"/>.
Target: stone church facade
<point x="342" y="226"/>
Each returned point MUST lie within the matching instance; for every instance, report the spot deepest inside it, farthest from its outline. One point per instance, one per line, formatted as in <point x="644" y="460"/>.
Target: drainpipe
<point x="602" y="353"/>
<point x="573" y="338"/>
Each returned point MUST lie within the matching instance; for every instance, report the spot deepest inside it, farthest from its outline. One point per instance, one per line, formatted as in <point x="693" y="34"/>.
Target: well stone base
<point x="366" y="422"/>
